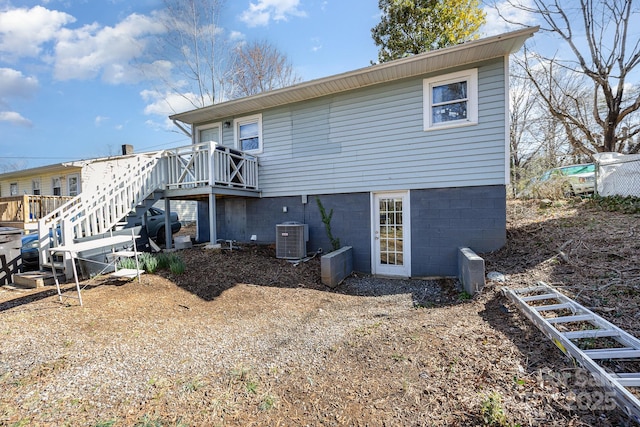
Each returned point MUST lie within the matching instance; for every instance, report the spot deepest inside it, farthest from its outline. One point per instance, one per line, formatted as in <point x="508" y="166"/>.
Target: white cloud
<point x="236" y="35"/>
<point x="264" y="11"/>
<point x="165" y="104"/>
<point x="15" y="84"/>
<point x="93" y="51"/>
<point x="14" y="118"/>
<point x="317" y="45"/>
<point x="79" y="53"/>
<point x="23" y="31"/>
<point x="496" y="24"/>
<point x="99" y="120"/>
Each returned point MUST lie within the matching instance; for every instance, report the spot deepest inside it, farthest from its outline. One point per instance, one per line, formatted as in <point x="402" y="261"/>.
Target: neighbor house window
<point x="57" y="187"/>
<point x="73" y="185"/>
<point x="451" y="100"/>
<point x="248" y="133"/>
<point x="13" y="189"/>
<point x="35" y="187"/>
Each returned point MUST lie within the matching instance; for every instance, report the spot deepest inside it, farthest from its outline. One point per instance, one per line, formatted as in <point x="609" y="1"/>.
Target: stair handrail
<point x="134" y="186"/>
<point x="65" y="223"/>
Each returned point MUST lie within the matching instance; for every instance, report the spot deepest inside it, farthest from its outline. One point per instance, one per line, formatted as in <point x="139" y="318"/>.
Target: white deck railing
<point x="191" y="166"/>
<point x="207" y="163"/>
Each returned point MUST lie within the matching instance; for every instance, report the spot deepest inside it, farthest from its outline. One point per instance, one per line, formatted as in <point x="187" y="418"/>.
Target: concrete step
<point x="37" y="279"/>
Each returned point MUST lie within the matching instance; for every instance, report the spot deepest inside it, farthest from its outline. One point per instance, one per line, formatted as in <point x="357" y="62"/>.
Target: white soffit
<point x="424" y="63"/>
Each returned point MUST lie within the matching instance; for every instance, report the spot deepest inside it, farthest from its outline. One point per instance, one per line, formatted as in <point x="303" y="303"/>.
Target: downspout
<point x="179" y="126"/>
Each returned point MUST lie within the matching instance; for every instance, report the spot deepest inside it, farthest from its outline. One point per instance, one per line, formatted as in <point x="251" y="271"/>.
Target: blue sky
<point x="70" y="88"/>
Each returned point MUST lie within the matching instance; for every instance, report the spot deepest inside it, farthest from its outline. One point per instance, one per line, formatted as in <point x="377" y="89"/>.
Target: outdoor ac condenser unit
<point x="291" y="240"/>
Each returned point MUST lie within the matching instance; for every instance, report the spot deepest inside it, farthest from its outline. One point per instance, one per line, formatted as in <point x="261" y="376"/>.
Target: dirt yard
<point x="242" y="338"/>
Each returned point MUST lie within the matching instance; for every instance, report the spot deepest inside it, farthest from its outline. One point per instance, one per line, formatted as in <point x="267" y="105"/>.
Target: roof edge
<point x="524" y="34"/>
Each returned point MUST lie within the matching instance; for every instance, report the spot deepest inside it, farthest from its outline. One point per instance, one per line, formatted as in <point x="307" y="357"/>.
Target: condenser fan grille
<point x="291" y="240"/>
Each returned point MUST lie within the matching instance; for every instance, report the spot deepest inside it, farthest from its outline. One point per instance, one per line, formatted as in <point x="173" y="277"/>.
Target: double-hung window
<point x="35" y="187"/>
<point x="451" y="100"/>
<point x="248" y="133"/>
<point x="73" y="184"/>
<point x="13" y="189"/>
<point x="57" y="187"/>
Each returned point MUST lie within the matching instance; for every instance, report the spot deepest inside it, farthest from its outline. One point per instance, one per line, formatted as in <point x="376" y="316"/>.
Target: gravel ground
<point x="242" y="338"/>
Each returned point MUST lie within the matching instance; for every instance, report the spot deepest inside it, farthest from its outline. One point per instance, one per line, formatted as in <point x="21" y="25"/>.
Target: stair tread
<point x="117" y="254"/>
<point x="127" y="272"/>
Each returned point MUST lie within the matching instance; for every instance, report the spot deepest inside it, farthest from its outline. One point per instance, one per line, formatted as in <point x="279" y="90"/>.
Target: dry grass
<point x="244" y="339"/>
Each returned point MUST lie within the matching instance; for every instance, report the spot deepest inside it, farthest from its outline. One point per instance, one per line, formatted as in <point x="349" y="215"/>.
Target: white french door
<point x="391" y="243"/>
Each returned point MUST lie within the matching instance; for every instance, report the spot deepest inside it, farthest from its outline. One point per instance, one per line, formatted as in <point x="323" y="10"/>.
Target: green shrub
<point x="148" y="261"/>
<point x="326" y="219"/>
<point x="624" y="204"/>
<point x="164" y="260"/>
<point x="177" y="265"/>
<point x="128" y="263"/>
<point x="492" y="411"/>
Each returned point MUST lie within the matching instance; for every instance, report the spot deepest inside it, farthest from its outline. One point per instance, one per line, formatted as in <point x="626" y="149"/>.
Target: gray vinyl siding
<point x="373" y="139"/>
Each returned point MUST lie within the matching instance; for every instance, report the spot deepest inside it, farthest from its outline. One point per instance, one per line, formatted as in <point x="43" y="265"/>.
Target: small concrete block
<point x="37" y="279"/>
<point x="30" y="281"/>
<point x="182" y="242"/>
<point x="336" y="266"/>
<point x="470" y="271"/>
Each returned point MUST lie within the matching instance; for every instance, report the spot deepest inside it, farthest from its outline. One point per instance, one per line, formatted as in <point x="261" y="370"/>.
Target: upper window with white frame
<point x="35" y="187"/>
<point x="57" y="186"/>
<point x="451" y="100"/>
<point x="248" y="133"/>
<point x="73" y="184"/>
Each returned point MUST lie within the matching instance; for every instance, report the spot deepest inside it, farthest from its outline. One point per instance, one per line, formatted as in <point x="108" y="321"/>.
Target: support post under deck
<point x="168" y="242"/>
<point x="213" y="237"/>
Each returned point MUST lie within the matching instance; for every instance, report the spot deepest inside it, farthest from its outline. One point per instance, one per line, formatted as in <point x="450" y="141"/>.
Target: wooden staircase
<point x="96" y="213"/>
<point x="197" y="169"/>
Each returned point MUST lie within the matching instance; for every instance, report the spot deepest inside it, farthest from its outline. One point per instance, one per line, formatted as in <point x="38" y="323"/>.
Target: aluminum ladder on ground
<point x="536" y="300"/>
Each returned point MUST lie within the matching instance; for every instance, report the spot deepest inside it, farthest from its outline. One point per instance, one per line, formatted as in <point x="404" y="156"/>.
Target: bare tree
<point x="196" y="48"/>
<point x="535" y="138"/>
<point x="12" y="166"/>
<point x="588" y="93"/>
<point x="522" y="124"/>
<point x="203" y="66"/>
<point x="260" y="67"/>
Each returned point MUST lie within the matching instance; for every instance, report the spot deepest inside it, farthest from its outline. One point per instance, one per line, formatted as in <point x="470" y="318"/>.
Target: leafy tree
<point x="410" y="27"/>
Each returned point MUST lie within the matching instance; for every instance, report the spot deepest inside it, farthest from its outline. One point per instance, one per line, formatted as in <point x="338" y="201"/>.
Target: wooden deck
<point x="25" y="211"/>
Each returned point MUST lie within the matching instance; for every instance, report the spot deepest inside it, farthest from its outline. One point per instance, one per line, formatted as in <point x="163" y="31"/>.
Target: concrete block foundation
<point x="470" y="271"/>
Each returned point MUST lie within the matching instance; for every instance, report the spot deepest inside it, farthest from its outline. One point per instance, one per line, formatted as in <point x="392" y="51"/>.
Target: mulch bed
<point x="242" y="338"/>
